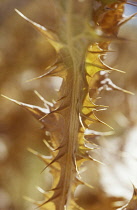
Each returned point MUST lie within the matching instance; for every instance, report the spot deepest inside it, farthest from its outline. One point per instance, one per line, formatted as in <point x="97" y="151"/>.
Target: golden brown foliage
<point x="80" y="63"/>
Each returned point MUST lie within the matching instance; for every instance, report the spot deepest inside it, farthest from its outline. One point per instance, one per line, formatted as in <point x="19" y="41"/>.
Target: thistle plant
<point x="82" y="35"/>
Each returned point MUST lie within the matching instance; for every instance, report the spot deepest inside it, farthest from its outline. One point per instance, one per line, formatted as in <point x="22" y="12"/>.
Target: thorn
<point x="19" y="13"/>
<point x="36" y="111"/>
<point x="63" y="97"/>
<point x="80" y="120"/>
<point x="96" y="120"/>
<point x="31" y="200"/>
<point x="98" y="110"/>
<point x="84" y="183"/>
<point x="131" y="4"/>
<point x="58" y="148"/>
<point x="10" y="99"/>
<point x="127" y="19"/>
<point x="97" y="161"/>
<point x="47" y="166"/>
<point x="37" y="26"/>
<point x="111" y="85"/>
<point x="110" y="68"/>
<point x="42" y="157"/>
<point x="54" y="189"/>
<point x="19" y="103"/>
<point x="89" y="132"/>
<point x="41" y="76"/>
<point x="43" y="117"/>
<point x="50" y="72"/>
<point x="96" y="106"/>
<point x="53" y="161"/>
<point x="43" y="99"/>
<point x="41" y="190"/>
<point x="50" y="35"/>
<point x="48" y="145"/>
<point x="49" y="200"/>
<point x="101" y="52"/>
<point x="88" y="118"/>
<point x="100" y="121"/>
<point x="129" y="92"/>
<point x="105" y="67"/>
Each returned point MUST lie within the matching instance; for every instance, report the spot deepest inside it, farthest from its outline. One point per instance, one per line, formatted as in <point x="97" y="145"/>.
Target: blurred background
<point x="24" y="54"/>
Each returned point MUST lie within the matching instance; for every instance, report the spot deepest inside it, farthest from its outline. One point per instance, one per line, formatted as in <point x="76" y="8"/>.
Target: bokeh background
<point x="24" y="54"/>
